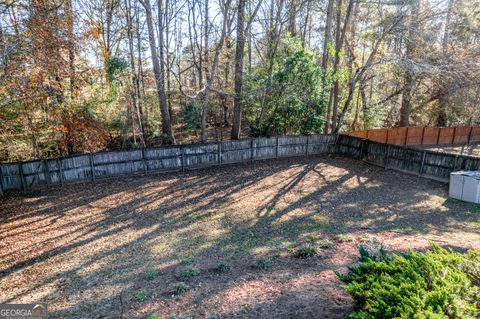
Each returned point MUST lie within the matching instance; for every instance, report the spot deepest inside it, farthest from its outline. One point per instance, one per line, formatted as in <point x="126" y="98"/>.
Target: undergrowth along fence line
<point x="49" y="172"/>
<point x="429" y="164"/>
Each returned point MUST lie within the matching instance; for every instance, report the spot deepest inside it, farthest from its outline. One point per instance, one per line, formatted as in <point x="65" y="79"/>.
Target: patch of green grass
<point x="189" y="272"/>
<point x="367" y="237"/>
<point x="151" y="274"/>
<point x="325" y="243"/>
<point x="140" y="296"/>
<point x="262" y="263"/>
<point x="153" y="316"/>
<point x="313" y="238"/>
<point x="277" y="255"/>
<point x="223" y="267"/>
<point x="343" y="238"/>
<point x="187" y="261"/>
<point x="306" y="252"/>
<point x="179" y="288"/>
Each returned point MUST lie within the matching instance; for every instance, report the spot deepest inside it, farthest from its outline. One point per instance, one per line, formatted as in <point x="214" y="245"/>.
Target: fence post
<point x="22" y="177"/>
<point x="92" y="169"/>
<point x="2" y="188"/>
<point x="406" y="136"/>
<point x="387" y="155"/>
<point x="219" y="146"/>
<point x="455" y="163"/>
<point x="438" y="137"/>
<point x="423" y="135"/>
<point x="388" y="135"/>
<point x="60" y="172"/>
<point x="145" y="167"/>
<point x="424" y="154"/>
<point x="454" y="133"/>
<point x="306" y="148"/>
<point x="251" y="150"/>
<point x="182" y="154"/>
<point x="276" y="148"/>
<point x="363" y="149"/>
<point x="46" y="172"/>
<point x="470" y="135"/>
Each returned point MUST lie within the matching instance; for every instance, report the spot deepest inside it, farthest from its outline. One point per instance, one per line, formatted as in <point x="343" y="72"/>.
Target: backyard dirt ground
<point x="119" y="248"/>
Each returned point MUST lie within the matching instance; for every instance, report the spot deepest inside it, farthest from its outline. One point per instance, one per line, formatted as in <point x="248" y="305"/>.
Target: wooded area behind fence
<point x="430" y="164"/>
<point x="422" y="135"/>
<point x="44" y="173"/>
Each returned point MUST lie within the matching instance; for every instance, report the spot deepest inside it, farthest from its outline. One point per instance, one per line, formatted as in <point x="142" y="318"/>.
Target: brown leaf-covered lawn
<point x="115" y="248"/>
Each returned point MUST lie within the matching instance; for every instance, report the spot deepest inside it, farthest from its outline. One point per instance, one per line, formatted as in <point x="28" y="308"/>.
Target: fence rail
<point x="49" y="172"/>
<point x="422" y="135"/>
<point x="430" y="164"/>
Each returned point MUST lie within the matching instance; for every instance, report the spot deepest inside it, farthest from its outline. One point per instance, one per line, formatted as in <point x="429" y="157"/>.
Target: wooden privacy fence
<point x="430" y="164"/>
<point x="44" y="173"/>
<point x="422" y="135"/>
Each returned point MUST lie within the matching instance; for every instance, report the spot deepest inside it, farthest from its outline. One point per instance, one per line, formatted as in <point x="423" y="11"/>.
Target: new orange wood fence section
<point x="422" y="135"/>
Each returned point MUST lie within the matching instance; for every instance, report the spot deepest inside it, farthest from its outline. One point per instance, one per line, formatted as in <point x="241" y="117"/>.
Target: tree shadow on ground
<point x="84" y="248"/>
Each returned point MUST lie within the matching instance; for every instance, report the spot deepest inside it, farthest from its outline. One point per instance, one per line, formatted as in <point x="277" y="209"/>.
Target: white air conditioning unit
<point x="465" y="185"/>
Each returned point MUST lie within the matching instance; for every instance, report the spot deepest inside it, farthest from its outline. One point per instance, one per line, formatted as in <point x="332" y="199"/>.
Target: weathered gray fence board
<point x="235" y="151"/>
<point x="118" y="168"/>
<point x="429" y="164"/>
<point x="44" y="173"/>
<point x="318" y="144"/>
<point x="11" y="176"/>
<point x="292" y="146"/>
<point x="264" y="148"/>
<point x="120" y="156"/>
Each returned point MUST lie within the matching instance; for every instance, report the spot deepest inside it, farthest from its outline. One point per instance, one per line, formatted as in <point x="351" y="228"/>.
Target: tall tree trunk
<point x="239" y="50"/>
<point x="339" y="40"/>
<point x="443" y="94"/>
<point x="71" y="47"/>
<point x="168" y="137"/>
<point x="226" y="83"/>
<point x="135" y="90"/>
<point x="292" y="15"/>
<point x="250" y="42"/>
<point x="275" y="30"/>
<point x="410" y="55"/>
<point x="213" y="72"/>
<point x="326" y="42"/>
<point x="140" y="82"/>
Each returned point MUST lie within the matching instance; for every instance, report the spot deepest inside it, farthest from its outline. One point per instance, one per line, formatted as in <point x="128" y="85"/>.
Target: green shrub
<point x="154" y="316"/>
<point x="313" y="239"/>
<point x="325" y="243"/>
<point x="189" y="272"/>
<point x="223" y="267"/>
<point x="262" y="263"/>
<point x="187" y="261"/>
<point x="140" y="296"/>
<point x="343" y="238"/>
<point x="178" y="288"/>
<point x="295" y="99"/>
<point x="191" y="115"/>
<point x="151" y="274"/>
<point x="436" y="284"/>
<point x="306" y="252"/>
